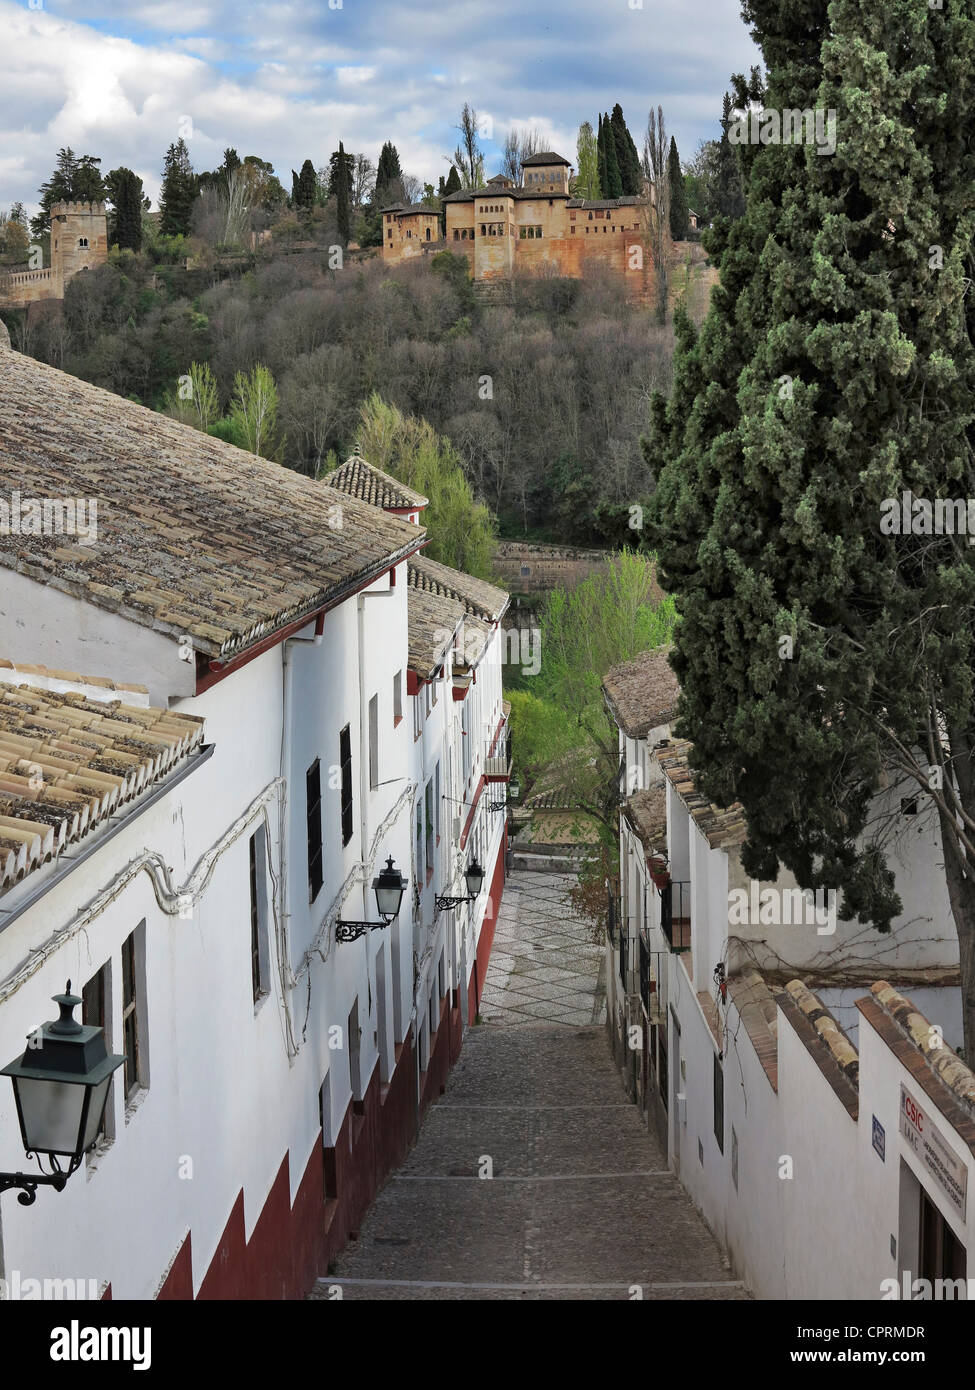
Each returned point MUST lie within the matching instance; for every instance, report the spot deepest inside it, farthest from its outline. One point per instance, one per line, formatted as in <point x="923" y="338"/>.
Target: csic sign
<point x="932" y="1150"/>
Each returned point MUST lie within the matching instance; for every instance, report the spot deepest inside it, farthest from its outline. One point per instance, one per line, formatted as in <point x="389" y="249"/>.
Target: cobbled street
<point x="579" y="1204"/>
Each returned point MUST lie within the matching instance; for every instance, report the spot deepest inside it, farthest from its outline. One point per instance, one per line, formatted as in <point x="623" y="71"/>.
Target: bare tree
<point x="519" y="145"/>
<point x="655" y="152"/>
<point x="468" y="156"/>
<point x="238" y="208"/>
<point x="363" y="180"/>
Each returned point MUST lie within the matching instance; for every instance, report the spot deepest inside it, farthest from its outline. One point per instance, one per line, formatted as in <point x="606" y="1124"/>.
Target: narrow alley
<point x="533" y="1176"/>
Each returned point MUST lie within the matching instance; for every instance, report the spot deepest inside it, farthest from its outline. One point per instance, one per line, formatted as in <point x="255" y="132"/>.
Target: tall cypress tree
<point x="729" y="194"/>
<point x="306" y="186"/>
<point x="388" y="171"/>
<point x="178" y="191"/>
<point x="341" y="190"/>
<point x="601" y="155"/>
<point x="822" y="655"/>
<point x="614" y="180"/>
<point x="124" y="189"/>
<point x="678" y="194"/>
<point x="626" y="154"/>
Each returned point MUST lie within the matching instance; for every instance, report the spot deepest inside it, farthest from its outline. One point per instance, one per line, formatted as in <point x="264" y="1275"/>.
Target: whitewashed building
<point x="799" y="1070"/>
<point x="209" y="749"/>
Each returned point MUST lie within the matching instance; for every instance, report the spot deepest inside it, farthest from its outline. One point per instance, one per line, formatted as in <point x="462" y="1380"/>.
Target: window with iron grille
<point x="719" y="1103"/>
<point x="260" y="960"/>
<point x="345" y="762"/>
<point x="313" y="820"/>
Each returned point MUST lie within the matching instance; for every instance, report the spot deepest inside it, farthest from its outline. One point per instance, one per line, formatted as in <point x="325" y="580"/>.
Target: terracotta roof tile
<point x="360" y="479"/>
<point x="67" y="762"/>
<point x="194" y="536"/>
<point x="440" y="601"/>
<point x="646" y="811"/>
<point x="724" y="827"/>
<point x="642" y="693"/>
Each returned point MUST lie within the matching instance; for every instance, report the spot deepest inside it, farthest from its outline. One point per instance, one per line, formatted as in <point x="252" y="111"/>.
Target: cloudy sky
<point x="287" y="81"/>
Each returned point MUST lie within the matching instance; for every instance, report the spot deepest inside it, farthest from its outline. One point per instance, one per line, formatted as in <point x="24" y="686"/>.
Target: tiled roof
<point x="411" y="209"/>
<point x="68" y="762"/>
<point x="753" y="999"/>
<point x="480" y="599"/>
<point x="647" y="813"/>
<point x="467" y="195"/>
<point x="642" y="694"/>
<point x="606" y="204"/>
<point x="546" y="157"/>
<point x="950" y="1070"/>
<point x="360" y="479"/>
<point x="824" y="1039"/>
<point x="723" y="827"/>
<point x="194" y="536"/>
<point x="440" y="599"/>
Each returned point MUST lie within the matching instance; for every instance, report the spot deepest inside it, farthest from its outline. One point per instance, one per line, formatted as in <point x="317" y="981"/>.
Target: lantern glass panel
<point x="99" y="1094"/>
<point x="51" y="1113"/>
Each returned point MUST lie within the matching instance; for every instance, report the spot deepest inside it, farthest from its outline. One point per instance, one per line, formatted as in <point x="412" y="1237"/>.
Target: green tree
<point x="678" y="194"/>
<point x="828" y="663"/>
<point x="453" y="184"/>
<point x="254" y="414"/>
<point x="729" y="194"/>
<point x="587" y="163"/>
<point x="613" y="187"/>
<point x="341" y="191"/>
<point x="388" y="175"/>
<point x="124" y="191"/>
<point x="75" y="179"/>
<point x="601" y="158"/>
<point x="461" y="529"/>
<point x="196" y="401"/>
<point x="559" y="717"/>
<point x="178" y="191"/>
<point x="306" y="184"/>
<point x="627" y="158"/>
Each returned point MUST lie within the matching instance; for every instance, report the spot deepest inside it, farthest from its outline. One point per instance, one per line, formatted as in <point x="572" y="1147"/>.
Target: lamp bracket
<point x="445" y="904"/>
<point x="30" y="1182"/>
<point x="351" y="931"/>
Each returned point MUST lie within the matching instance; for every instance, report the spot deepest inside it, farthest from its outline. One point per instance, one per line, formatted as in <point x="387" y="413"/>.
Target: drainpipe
<point x="284" y="829"/>
<point x="364" y="748"/>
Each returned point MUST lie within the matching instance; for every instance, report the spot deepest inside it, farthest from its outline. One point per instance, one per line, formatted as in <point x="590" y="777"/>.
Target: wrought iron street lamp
<point x="60" y="1089"/>
<point x="475" y="882"/>
<point x="389" y="887"/>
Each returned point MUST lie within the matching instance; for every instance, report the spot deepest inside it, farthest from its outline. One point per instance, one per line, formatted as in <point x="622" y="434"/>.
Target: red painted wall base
<point x="293" y="1245"/>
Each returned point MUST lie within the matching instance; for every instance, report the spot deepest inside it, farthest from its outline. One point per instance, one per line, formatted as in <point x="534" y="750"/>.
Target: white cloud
<point x="288" y="81"/>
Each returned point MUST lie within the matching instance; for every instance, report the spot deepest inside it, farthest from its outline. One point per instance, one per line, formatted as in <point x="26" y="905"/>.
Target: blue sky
<point x="287" y="81"/>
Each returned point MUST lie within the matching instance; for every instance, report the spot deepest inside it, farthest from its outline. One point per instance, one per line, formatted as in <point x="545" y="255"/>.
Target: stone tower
<point x="79" y="239"/>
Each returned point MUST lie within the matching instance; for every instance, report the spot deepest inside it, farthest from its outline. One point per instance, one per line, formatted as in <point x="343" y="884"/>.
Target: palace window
<point x="456" y="234"/>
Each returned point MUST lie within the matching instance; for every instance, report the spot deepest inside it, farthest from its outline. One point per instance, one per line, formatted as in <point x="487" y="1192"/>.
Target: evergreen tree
<point x="678" y="194"/>
<point x="587" y="163"/>
<point x="626" y="154"/>
<point x="340" y="188"/>
<point x="304" y="196"/>
<point x="453" y="184"/>
<point x="388" y="172"/>
<point x="124" y="190"/>
<point x="614" y="179"/>
<point x="178" y="191"/>
<point x="601" y="159"/>
<point x="823" y="656"/>
<point x="729" y="194"/>
<point x="75" y="179"/>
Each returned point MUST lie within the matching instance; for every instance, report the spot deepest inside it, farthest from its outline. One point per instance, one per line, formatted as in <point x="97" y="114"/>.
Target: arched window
<point x="83" y="241"/>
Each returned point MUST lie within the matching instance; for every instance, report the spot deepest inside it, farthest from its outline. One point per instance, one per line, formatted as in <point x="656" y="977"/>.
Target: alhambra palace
<point x="503" y="229"/>
<point x="79" y="241"/>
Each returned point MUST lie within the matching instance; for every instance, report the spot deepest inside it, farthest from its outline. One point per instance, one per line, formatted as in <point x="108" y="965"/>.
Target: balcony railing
<point x="675" y="914"/>
<point x="497" y="755"/>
